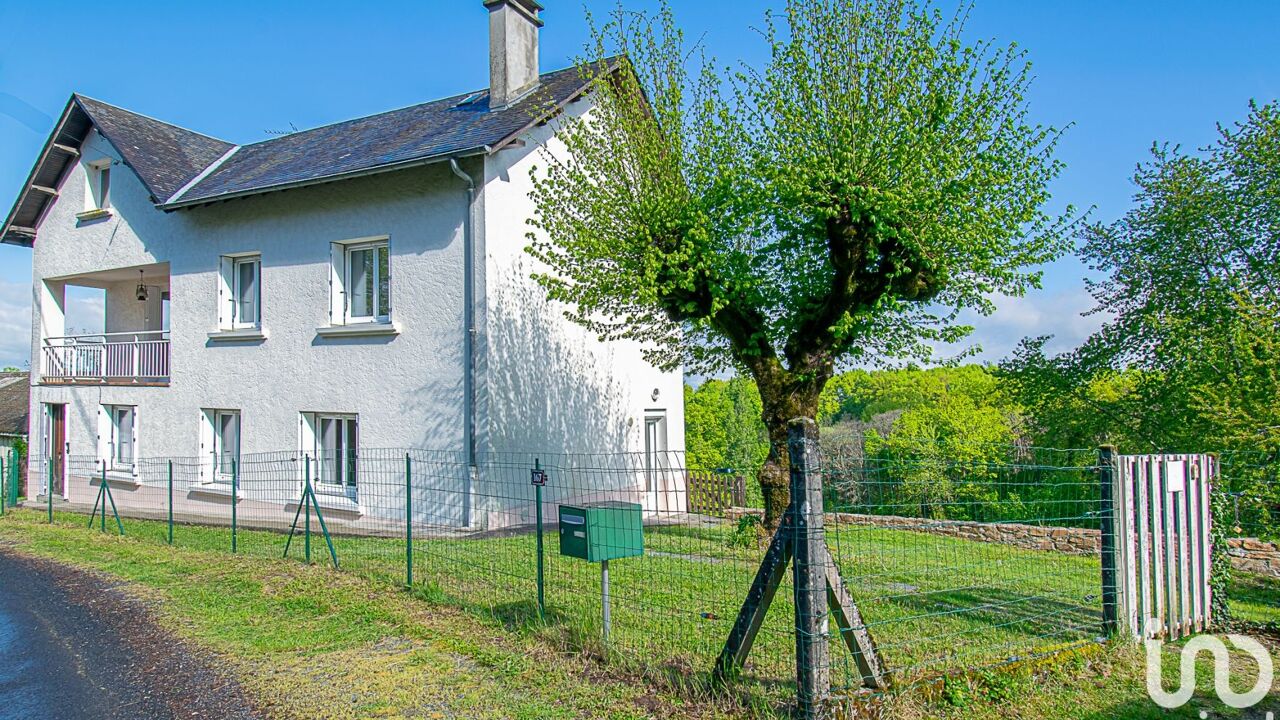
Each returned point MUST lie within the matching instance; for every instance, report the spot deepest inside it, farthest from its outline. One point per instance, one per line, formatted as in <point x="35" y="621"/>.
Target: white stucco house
<point x="356" y="286"/>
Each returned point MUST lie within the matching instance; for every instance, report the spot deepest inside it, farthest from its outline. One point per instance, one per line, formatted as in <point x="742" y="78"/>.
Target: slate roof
<point x="164" y="156"/>
<point x="182" y="168"/>
<point x="15" y="402"/>
<point x="417" y="133"/>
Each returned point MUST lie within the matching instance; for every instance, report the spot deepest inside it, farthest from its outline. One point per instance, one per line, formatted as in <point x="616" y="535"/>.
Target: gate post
<point x="1112" y="503"/>
<point x="809" y="552"/>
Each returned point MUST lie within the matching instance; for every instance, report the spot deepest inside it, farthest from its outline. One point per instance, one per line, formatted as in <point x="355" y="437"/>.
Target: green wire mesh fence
<point x="1248" y="515"/>
<point x="951" y="564"/>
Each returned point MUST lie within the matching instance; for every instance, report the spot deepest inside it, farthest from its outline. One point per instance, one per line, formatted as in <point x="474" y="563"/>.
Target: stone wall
<point x="1077" y="541"/>
<point x="1255" y="556"/>
<point x="1247" y="554"/>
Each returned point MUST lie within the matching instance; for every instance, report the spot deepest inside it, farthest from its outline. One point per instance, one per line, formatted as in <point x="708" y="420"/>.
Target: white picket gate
<point x="1163" y="554"/>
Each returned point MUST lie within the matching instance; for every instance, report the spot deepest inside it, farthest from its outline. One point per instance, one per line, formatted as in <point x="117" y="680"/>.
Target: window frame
<point x="238" y="262"/>
<point x="221" y="473"/>
<point x="97" y="197"/>
<point x="113" y="461"/>
<point x="343" y="280"/>
<point x="348" y="452"/>
<point x="229" y="285"/>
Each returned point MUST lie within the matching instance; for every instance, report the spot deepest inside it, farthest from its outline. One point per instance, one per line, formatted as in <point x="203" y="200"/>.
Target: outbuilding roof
<point x="15" y="402"/>
<point x="182" y="168"/>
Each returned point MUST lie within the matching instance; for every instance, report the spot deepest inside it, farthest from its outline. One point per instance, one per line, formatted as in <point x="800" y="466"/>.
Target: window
<point x="97" y="195"/>
<point x="362" y="271"/>
<point x="333" y="448"/>
<point x="122" y="438"/>
<point x="241" y="292"/>
<point x="226" y="443"/>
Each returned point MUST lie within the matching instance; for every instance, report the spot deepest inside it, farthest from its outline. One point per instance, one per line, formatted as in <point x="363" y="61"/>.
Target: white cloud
<point x="15" y="325"/>
<point x="1060" y="314"/>
<point x="85" y="311"/>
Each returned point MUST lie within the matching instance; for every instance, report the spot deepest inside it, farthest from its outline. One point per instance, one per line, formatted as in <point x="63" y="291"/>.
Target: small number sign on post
<point x="538" y="477"/>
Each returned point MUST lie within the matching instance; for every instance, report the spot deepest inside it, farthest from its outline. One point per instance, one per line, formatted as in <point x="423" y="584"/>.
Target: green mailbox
<point x="601" y="532"/>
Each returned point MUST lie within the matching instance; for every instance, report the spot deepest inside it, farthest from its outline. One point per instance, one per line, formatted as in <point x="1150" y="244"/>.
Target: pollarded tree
<point x="840" y="203"/>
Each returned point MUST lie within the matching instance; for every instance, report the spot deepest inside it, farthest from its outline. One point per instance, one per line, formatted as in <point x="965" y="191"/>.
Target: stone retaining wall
<point x="1077" y="541"/>
<point x="1255" y="556"/>
<point x="1247" y="554"/>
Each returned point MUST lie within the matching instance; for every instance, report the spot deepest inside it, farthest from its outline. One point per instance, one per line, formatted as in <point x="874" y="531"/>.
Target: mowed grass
<point x="309" y="642"/>
<point x="1255" y="599"/>
<point x="934" y="605"/>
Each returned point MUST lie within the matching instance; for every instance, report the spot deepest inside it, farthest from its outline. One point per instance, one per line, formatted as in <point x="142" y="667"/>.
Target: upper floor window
<point x="241" y="291"/>
<point x="362" y="282"/>
<point x="97" y="196"/>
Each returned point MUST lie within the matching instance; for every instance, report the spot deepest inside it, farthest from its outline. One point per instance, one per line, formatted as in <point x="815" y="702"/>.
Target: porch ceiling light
<point x="142" y="288"/>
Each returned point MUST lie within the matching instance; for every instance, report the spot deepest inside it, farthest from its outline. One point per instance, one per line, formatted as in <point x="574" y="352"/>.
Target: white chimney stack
<point x="513" y="50"/>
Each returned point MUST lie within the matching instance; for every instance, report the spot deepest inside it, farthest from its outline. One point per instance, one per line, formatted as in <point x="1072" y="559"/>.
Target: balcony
<point x="119" y="358"/>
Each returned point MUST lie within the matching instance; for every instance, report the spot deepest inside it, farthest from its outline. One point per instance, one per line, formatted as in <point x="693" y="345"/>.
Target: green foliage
<point x="842" y="202"/>
<point x="1190" y="358"/>
<point x="863" y="394"/>
<point x="723" y="428"/>
<point x="876" y="162"/>
<point x="747" y="533"/>
<point x="940" y="453"/>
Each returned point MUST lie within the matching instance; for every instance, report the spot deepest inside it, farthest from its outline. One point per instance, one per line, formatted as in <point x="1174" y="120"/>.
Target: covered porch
<point x="132" y="347"/>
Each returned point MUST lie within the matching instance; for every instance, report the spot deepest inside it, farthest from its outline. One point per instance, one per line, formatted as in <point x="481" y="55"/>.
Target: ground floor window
<point x="222" y="430"/>
<point x="334" y="440"/>
<point x="122" y="439"/>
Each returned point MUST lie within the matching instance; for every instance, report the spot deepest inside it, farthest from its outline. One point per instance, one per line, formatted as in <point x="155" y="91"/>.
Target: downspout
<point x="468" y="348"/>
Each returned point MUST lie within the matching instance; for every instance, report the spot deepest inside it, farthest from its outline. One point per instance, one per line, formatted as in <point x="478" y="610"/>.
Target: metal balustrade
<point x="121" y="357"/>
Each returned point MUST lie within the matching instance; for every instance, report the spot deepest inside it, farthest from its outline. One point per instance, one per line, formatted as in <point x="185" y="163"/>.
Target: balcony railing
<point x="109" y="358"/>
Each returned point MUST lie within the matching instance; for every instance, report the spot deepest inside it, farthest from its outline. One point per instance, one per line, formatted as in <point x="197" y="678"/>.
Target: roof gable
<point x="165" y="157"/>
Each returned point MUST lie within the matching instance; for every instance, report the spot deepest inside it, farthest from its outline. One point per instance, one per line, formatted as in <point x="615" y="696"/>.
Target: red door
<point x="57" y="450"/>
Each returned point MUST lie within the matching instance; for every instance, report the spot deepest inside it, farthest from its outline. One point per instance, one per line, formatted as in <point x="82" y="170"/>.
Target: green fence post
<point x="15" y="476"/>
<point x="170" y="502"/>
<point x="537" y="492"/>
<point x="49" y="490"/>
<point x="102" y="491"/>
<point x="235" y="492"/>
<point x="408" y="521"/>
<point x="115" y="512"/>
<point x="306" y="498"/>
<point x="4" y="493"/>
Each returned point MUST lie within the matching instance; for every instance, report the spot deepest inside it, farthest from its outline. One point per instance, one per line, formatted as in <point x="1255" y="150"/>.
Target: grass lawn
<point x="467" y="642"/>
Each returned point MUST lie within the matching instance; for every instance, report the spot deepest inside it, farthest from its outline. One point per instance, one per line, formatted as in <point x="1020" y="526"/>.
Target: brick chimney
<point x="513" y="50"/>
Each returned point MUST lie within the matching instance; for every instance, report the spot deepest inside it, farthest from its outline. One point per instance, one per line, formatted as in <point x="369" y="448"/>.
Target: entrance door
<point x="55" y="450"/>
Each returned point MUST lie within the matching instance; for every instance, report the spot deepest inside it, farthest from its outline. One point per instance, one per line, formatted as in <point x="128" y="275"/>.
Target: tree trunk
<point x="783" y="399"/>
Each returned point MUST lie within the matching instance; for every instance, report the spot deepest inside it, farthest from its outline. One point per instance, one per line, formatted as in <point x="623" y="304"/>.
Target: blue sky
<point x="1125" y="73"/>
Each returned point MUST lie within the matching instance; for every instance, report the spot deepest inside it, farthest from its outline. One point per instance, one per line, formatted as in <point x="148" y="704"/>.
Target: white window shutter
<point x="204" y="465"/>
<point x="306" y="444"/>
<point x="136" y="454"/>
<point x="226" y="272"/>
<point x="104" y="435"/>
<point x="337" y="298"/>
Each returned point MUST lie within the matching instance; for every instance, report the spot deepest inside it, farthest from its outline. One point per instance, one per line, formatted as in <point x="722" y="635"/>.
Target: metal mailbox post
<point x="601" y="532"/>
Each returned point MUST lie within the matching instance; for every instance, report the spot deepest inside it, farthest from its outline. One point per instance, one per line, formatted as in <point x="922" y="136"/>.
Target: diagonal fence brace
<point x="781" y="553"/>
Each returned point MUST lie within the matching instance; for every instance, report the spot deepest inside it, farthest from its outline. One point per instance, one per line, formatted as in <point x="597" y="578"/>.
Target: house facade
<point x="353" y="287"/>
